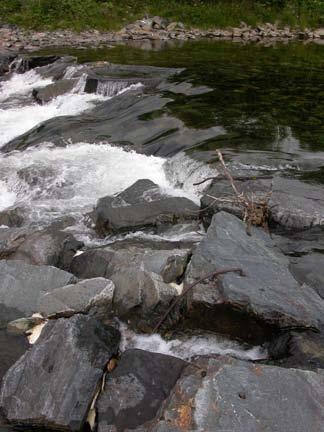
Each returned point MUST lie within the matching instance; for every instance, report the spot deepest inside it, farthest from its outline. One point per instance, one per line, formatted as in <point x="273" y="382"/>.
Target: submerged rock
<point x="141" y="205"/>
<point x="135" y="390"/>
<point x="293" y="204"/>
<point x="53" y="384"/>
<point x="21" y="284"/>
<point x="267" y="292"/>
<point x="221" y="393"/>
<point x="90" y="295"/>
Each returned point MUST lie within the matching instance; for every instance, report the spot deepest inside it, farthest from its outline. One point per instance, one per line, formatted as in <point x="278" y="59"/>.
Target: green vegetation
<point x="114" y="14"/>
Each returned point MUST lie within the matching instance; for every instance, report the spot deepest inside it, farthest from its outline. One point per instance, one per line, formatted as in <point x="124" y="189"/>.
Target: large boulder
<point x="42" y="247"/>
<point x="46" y="94"/>
<point x="21" y="285"/>
<point x="90" y="295"/>
<point x="52" y="385"/>
<point x="142" y="205"/>
<point x="168" y="263"/>
<point x="293" y="204"/>
<point x="224" y="394"/>
<point x="268" y="292"/>
<point x="135" y="390"/>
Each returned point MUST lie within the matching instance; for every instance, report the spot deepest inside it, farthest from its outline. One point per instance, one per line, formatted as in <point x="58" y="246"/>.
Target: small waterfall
<point x="80" y="84"/>
<point x="111" y="88"/>
<point x="19" y="65"/>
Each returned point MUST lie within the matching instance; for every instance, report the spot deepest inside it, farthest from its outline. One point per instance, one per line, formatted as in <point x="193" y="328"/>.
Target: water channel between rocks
<point x="262" y="105"/>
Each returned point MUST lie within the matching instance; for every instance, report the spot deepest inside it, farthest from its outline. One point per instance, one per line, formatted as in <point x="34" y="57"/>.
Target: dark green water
<point x="267" y="98"/>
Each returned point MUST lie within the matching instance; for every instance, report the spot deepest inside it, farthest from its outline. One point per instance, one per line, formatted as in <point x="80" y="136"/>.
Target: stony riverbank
<point x="153" y="29"/>
<point x="93" y="252"/>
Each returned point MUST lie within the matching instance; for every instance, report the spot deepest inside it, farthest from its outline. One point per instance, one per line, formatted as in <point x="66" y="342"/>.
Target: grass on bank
<point x="114" y="14"/>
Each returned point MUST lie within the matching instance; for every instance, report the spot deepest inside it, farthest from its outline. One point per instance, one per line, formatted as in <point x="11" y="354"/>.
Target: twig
<point x="239" y="178"/>
<point x="185" y="291"/>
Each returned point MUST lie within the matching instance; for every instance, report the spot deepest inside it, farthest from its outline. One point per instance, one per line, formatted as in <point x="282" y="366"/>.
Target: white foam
<point x="190" y="346"/>
<point x="20" y="84"/>
<point x="7" y="198"/>
<point x="18" y="120"/>
<point x="72" y="179"/>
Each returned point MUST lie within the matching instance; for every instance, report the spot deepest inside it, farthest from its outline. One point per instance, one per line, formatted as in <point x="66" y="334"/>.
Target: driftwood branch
<point x="178" y="299"/>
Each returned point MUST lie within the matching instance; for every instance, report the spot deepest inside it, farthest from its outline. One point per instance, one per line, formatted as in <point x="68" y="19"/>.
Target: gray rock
<point x="294" y="205"/>
<point x="13" y="217"/>
<point x="268" y="291"/>
<point x="309" y="269"/>
<point x="52" y="385"/>
<point x="57" y="69"/>
<point x="22" y="325"/>
<point x="140" y="294"/>
<point x="170" y="263"/>
<point x="141" y="205"/>
<point x="5" y="59"/>
<point x="44" y="247"/>
<point x="21" y="284"/>
<point x="46" y="94"/>
<point x="90" y="295"/>
<point x="135" y="390"/>
<point x="223" y="394"/>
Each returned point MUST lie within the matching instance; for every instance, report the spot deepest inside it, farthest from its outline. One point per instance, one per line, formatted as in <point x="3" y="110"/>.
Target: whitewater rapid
<point x="51" y="182"/>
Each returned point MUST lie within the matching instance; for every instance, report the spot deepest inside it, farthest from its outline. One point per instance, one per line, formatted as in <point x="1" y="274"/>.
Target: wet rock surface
<point x="44" y="95"/>
<point x="21" y="284"/>
<point x="294" y="205"/>
<point x="135" y="390"/>
<point x="66" y="365"/>
<point x="267" y="291"/>
<point x="43" y="247"/>
<point x="205" y="395"/>
<point x="141" y="205"/>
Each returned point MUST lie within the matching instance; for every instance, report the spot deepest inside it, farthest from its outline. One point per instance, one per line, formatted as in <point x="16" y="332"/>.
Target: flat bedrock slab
<point x="52" y="385"/>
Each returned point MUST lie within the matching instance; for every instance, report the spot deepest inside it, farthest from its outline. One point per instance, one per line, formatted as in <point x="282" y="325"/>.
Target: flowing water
<point x="263" y="105"/>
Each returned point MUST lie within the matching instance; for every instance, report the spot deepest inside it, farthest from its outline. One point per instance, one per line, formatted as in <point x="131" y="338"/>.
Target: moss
<point x="113" y="14"/>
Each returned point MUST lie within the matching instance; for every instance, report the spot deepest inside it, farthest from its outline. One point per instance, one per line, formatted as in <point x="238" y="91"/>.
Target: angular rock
<point x="224" y="394"/>
<point x="90" y="295"/>
<point x="267" y="292"/>
<point x="46" y="94"/>
<point x="44" y="247"/>
<point x="170" y="263"/>
<point x="135" y="390"/>
<point x="141" y="295"/>
<point x="294" y="205"/>
<point x="21" y="284"/>
<point x="141" y="205"/>
<point x="52" y="385"/>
